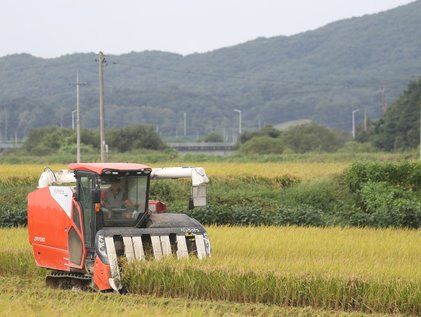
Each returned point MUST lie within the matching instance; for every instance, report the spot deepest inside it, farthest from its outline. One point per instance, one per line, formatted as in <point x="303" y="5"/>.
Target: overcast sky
<point x="51" y="28"/>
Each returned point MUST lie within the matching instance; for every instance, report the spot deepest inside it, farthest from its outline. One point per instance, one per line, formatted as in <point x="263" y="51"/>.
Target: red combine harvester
<point x="81" y="221"/>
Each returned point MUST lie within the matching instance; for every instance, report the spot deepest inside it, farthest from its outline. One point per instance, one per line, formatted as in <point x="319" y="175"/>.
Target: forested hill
<point x="320" y="75"/>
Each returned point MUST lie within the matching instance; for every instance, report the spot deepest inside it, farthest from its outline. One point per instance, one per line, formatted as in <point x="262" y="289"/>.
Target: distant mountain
<point x="319" y="75"/>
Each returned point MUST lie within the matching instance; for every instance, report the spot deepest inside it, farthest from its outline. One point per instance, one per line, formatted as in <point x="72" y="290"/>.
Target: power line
<point x="195" y="73"/>
<point x="23" y="68"/>
<point x="219" y="76"/>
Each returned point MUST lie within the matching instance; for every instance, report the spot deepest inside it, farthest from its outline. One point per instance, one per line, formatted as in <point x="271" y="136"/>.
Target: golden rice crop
<point x="25" y="170"/>
<point x="23" y="297"/>
<point x="379" y="254"/>
<point x="370" y="270"/>
<point x="270" y="170"/>
<point x="330" y="268"/>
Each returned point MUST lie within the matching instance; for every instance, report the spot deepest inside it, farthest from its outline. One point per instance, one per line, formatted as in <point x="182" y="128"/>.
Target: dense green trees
<point x="312" y="137"/>
<point x="299" y="139"/>
<point x="44" y="141"/>
<point x="399" y="128"/>
<point x="133" y="138"/>
<point x="263" y="145"/>
<point x="47" y="140"/>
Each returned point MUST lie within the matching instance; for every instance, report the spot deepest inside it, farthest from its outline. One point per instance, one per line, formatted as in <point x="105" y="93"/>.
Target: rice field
<point x="363" y="270"/>
<point x="30" y="297"/>
<point x="253" y="271"/>
<point x="223" y="169"/>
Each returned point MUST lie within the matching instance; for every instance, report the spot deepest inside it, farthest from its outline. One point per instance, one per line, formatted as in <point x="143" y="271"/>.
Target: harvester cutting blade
<point x="156" y="247"/>
<point x="114" y="280"/>
<point x="129" y="249"/>
<point x="145" y="246"/>
<point x="182" y="251"/>
<point x="138" y="248"/>
<point x="200" y="246"/>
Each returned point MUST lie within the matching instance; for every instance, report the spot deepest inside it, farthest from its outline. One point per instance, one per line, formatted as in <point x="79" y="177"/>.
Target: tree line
<point x="49" y="140"/>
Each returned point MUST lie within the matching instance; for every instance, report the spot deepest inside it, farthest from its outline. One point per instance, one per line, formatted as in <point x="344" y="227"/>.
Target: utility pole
<point x="78" y="84"/>
<point x="5" y="125"/>
<point x="353" y="123"/>
<point x="61" y="119"/>
<point x="101" y="61"/>
<point x="383" y="99"/>
<point x="185" y="123"/>
<point x="73" y="119"/>
<point x="239" y="121"/>
<point x="419" y="91"/>
<point x="365" y="120"/>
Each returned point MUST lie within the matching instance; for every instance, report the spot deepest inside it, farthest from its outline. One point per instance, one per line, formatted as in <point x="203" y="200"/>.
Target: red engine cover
<point x="50" y="214"/>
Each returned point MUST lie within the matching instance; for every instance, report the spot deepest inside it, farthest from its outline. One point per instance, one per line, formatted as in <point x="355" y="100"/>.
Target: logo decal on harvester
<point x="63" y="196"/>
<point x="39" y="239"/>
<point x="189" y="229"/>
<point x="59" y="191"/>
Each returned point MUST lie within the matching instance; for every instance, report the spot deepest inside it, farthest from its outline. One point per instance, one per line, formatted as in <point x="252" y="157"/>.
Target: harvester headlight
<point x="102" y="249"/>
<point x="207" y="244"/>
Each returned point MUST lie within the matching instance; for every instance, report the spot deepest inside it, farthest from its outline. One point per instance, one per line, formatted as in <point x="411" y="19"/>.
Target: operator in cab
<point x="114" y="198"/>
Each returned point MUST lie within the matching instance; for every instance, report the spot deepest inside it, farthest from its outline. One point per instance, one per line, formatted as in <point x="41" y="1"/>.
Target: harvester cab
<point x="81" y="221"/>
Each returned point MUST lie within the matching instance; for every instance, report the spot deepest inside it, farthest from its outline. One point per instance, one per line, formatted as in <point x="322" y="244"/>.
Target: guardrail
<point x="202" y="146"/>
<point x="9" y="145"/>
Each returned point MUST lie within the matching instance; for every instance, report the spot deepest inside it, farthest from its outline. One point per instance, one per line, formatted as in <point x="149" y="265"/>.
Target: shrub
<point x="47" y="140"/>
<point x="322" y="194"/>
<point x="312" y="137"/>
<point x="356" y="147"/>
<point x="13" y="217"/>
<point x="251" y="216"/>
<point x="225" y="215"/>
<point x="301" y="215"/>
<point x="210" y="215"/>
<point x="13" y="200"/>
<point x="268" y="130"/>
<point x="162" y="191"/>
<point x="135" y="137"/>
<point x="263" y="145"/>
<point x="213" y="137"/>
<point x="389" y="206"/>
<point x="404" y="174"/>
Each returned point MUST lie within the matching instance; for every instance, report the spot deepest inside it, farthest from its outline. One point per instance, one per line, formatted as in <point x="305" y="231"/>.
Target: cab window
<point x="123" y="199"/>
